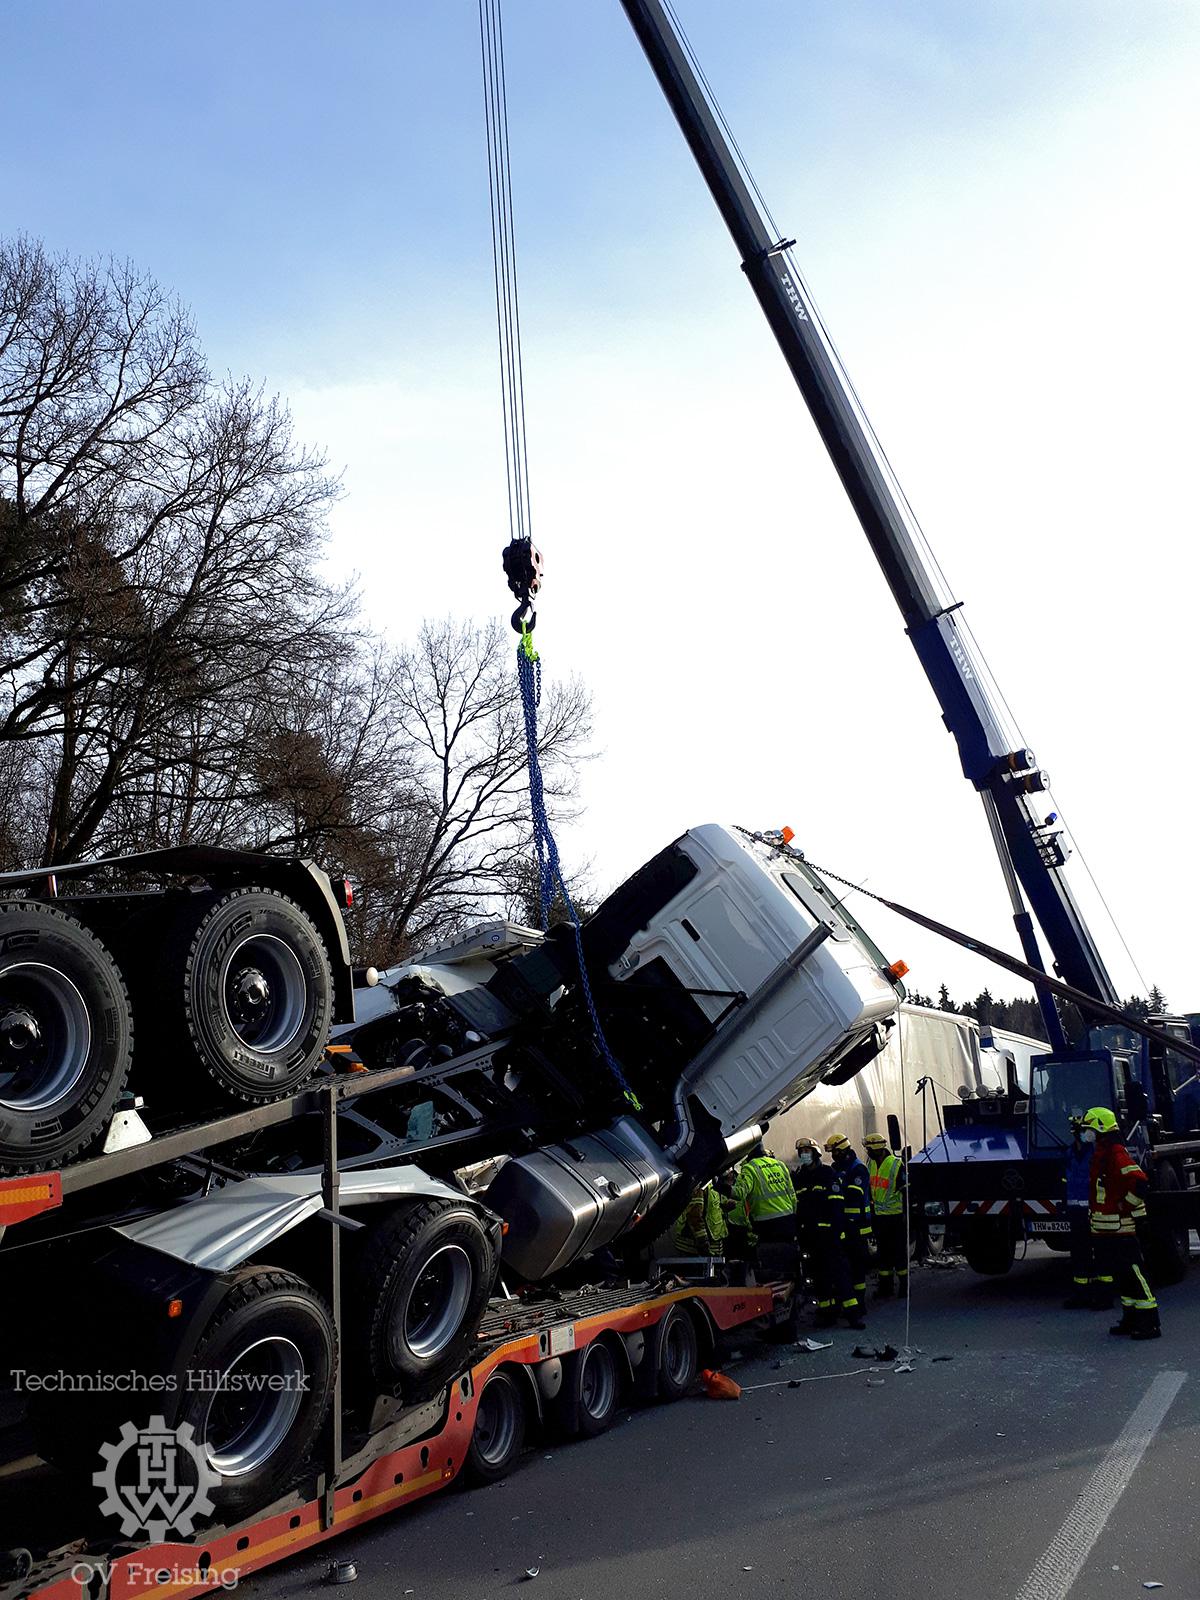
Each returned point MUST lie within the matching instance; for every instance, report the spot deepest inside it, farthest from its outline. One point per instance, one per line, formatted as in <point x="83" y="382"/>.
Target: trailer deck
<point x="420" y="1452"/>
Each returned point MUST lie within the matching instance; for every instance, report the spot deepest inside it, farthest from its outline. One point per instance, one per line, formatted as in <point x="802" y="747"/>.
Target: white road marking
<point x="783" y="1383"/>
<point x="1063" y="1559"/>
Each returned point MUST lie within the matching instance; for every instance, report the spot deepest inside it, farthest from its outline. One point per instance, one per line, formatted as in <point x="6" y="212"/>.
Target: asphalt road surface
<point x="1044" y="1458"/>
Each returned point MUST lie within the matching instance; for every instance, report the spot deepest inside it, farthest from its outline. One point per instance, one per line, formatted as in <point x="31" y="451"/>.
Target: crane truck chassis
<point x="996" y="1170"/>
<point x="333" y="1252"/>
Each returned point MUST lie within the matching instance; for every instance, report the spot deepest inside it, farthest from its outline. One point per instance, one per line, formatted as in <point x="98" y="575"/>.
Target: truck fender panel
<point x="548" y="1378"/>
<point x="226" y="1228"/>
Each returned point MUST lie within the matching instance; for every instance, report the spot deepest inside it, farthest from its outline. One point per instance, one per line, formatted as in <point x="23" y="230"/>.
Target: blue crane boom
<point x="1008" y="780"/>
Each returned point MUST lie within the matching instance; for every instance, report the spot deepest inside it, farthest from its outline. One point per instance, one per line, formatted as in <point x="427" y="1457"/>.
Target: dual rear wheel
<point x="234" y="1003"/>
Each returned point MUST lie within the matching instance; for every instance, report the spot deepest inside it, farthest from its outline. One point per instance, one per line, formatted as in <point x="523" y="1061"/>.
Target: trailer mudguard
<point x="225" y="1228"/>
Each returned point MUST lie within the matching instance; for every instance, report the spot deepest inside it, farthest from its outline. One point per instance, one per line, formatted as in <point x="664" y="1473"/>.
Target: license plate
<point x="1049" y="1227"/>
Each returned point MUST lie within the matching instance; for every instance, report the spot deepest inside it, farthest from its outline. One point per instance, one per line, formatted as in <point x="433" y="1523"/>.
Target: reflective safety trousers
<point x="887" y="1186"/>
<point x="765" y="1185"/>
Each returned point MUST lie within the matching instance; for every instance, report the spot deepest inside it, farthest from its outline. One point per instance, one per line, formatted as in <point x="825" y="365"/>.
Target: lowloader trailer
<point x="560" y="1366"/>
<point x="265" y="1302"/>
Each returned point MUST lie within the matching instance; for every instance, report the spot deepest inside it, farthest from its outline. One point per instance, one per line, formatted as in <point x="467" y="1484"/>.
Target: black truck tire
<point x="1167" y="1246"/>
<point x="258" y="1436"/>
<point x="989" y="1246"/>
<point x="587" y="1403"/>
<point x="678" y="1354"/>
<point x="423" y="1283"/>
<point x="66" y="1036"/>
<point x="499" y="1433"/>
<point x="248" y="988"/>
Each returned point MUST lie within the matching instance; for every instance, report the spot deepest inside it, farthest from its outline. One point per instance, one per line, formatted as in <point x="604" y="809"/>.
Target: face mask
<point x="806" y="1160"/>
<point x="1088" y="1136"/>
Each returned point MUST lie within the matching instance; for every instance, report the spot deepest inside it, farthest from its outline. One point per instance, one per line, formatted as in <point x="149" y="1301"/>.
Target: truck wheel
<point x="1168" y="1248"/>
<point x="678" y="1354"/>
<point x="591" y="1392"/>
<point x="65" y="1036"/>
<point x="273" y="1350"/>
<point x="499" y="1434"/>
<point x="254" y="994"/>
<point x="424" y="1279"/>
<point x="989" y="1246"/>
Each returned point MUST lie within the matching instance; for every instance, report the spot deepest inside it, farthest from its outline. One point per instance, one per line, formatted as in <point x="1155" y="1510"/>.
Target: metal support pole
<point x="330" y="1185"/>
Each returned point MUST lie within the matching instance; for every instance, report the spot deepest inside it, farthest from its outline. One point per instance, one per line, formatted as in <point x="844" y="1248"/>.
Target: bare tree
<point x="407" y="771"/>
<point x="174" y="666"/>
<point x="459" y="709"/>
<point x="159" y="544"/>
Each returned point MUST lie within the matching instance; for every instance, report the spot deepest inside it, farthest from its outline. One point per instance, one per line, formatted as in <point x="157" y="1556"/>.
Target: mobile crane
<point x="997" y="1165"/>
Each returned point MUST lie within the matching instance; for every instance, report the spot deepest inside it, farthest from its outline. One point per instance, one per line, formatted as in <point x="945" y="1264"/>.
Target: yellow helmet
<point x="876" y="1141"/>
<point x="837" y="1141"/>
<point x="1100" y="1120"/>
<point x="805" y="1144"/>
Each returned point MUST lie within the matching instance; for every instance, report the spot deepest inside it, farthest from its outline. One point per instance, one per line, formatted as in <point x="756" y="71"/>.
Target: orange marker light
<point x="787" y="835"/>
<point x="898" y="968"/>
<point x="174" y="1308"/>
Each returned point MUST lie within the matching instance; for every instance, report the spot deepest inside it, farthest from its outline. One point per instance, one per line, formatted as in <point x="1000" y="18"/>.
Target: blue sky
<point x="994" y="205"/>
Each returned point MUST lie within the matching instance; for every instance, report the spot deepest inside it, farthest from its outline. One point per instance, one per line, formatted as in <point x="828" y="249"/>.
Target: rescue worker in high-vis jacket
<point x="702" y="1229"/>
<point x="888" y="1191"/>
<point x="1090" y="1288"/>
<point x="764" y="1186"/>
<point x="819" y="1228"/>
<point x="1117" y="1205"/>
<point x="741" y="1238"/>
<point x="855" y="1187"/>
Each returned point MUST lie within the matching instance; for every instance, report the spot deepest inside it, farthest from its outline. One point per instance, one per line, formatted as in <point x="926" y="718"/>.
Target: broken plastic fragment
<point x="532" y="1572"/>
<point x="1152" y="1585"/>
<point x="718" y="1387"/>
<point x="814" y="1344"/>
<point x="875" y="1383"/>
<point x="903" y="1366"/>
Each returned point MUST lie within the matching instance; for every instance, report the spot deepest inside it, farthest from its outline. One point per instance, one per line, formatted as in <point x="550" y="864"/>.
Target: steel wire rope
<point x="1053" y="805"/>
<point x="508" y="311"/>
<point x="1100" y="893"/>
<point x="551" y="879"/>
